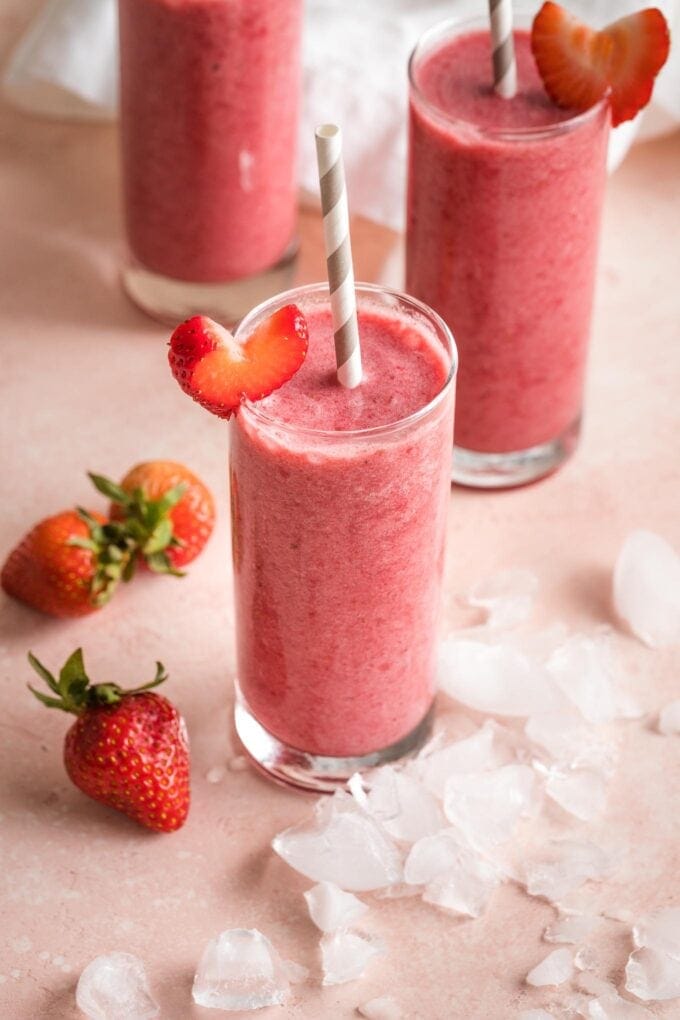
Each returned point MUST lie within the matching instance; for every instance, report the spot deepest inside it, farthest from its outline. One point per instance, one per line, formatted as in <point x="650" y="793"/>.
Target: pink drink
<point x="503" y="219"/>
<point x="210" y="93"/>
<point x="339" y="502"/>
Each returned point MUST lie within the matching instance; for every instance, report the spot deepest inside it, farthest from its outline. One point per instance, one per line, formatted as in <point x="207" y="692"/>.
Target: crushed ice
<point x="331" y="908"/>
<point x="115" y="987"/>
<point x="382" y="1008"/>
<point x="240" y="969"/>
<point x="507" y="597"/>
<point x="555" y="969"/>
<point x="345" y="955"/>
<point x="341" y="844"/>
<point x="647" y="588"/>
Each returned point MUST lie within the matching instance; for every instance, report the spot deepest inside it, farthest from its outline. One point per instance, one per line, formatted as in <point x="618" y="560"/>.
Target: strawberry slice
<point x="640" y="45"/>
<point x="579" y="65"/>
<point x="220" y="373"/>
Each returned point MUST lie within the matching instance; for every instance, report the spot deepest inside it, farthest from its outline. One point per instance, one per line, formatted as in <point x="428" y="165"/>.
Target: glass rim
<point x="253" y="409"/>
<point x="447" y="28"/>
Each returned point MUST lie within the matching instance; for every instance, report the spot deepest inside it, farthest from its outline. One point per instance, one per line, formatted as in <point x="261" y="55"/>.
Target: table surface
<point x="85" y="386"/>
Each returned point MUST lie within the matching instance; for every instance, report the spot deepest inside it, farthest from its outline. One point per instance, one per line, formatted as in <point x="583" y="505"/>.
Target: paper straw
<point x="338" y="254"/>
<point x="504" y="66"/>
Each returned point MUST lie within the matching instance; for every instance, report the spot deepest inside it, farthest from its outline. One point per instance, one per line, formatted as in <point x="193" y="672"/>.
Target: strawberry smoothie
<point x="339" y="501"/>
<point x="504" y="204"/>
<point x="210" y="93"/>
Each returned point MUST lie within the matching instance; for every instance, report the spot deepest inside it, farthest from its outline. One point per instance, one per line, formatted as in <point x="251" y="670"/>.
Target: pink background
<point x="85" y="385"/>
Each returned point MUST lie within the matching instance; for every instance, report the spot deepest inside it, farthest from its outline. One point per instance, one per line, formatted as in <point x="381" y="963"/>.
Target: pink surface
<point x="193" y="70"/>
<point x="339" y="546"/>
<point x="84" y="385"/>
<point x="502" y="240"/>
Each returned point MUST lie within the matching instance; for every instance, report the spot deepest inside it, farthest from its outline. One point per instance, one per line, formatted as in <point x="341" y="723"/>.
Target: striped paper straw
<point x="338" y="254"/>
<point x="504" y="66"/>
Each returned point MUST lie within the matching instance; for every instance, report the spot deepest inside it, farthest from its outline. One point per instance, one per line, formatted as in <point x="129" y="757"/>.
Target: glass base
<point x="318" y="773"/>
<point x="519" y="467"/>
<point x="171" y="301"/>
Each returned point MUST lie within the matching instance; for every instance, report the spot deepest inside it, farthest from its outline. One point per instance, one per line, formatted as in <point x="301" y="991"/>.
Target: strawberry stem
<point x="146" y="523"/>
<point x="74" y="691"/>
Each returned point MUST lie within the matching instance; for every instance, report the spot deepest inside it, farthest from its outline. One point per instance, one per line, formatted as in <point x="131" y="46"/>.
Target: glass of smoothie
<point x="339" y="508"/>
<point x="503" y="218"/>
<point x="210" y="98"/>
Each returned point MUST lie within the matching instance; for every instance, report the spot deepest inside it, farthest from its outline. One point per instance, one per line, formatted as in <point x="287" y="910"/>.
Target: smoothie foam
<point x="339" y="543"/>
<point x="502" y="238"/>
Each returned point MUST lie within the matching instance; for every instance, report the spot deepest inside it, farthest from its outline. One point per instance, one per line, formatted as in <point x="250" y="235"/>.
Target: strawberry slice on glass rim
<point x="219" y="372"/>
<point x="579" y="65"/>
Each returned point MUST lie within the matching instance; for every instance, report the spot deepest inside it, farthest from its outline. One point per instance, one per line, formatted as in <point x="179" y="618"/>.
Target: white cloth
<point x="355" y="54"/>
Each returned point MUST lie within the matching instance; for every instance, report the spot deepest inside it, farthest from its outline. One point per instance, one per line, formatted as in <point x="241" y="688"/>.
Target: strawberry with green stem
<point x="127" y="749"/>
<point x="69" y="564"/>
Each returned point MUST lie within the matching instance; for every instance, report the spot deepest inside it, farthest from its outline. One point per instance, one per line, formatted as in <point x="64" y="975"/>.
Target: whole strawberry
<point x="165" y="508"/>
<point x="127" y="749"/>
<point x="68" y="564"/>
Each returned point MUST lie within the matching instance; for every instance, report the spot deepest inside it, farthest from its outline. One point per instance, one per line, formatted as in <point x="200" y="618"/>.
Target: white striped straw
<point x="338" y="254"/>
<point x="504" y="65"/>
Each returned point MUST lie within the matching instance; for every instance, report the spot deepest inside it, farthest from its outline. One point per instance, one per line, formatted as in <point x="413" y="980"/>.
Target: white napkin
<point x="355" y="54"/>
<point x="66" y="65"/>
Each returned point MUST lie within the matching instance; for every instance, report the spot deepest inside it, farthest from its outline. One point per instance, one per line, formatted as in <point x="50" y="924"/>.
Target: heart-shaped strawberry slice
<point x="220" y="373"/>
<point x="579" y="65"/>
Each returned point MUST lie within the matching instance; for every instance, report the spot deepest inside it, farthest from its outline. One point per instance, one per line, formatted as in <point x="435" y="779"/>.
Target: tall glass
<point x="338" y="547"/>
<point x="210" y="100"/>
<point x="502" y="238"/>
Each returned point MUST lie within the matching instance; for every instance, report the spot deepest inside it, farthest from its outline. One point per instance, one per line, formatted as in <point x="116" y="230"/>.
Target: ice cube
<point x="556" y="968"/>
<point x="486" y="806"/>
<point x="480" y="751"/>
<point x="660" y="931"/>
<point x="571" y="929"/>
<point x="115" y="987"/>
<point x="433" y="856"/>
<point x="331" y="908"/>
<point x="568" y="865"/>
<point x="585" y="959"/>
<point x="669" y="718"/>
<point x="508" y="597"/>
<point x="496" y="678"/>
<point x="454" y="876"/>
<point x="622" y="914"/>
<point x="240" y="969"/>
<point x="341" y="844"/>
<point x="535" y="1014"/>
<point x="568" y="739"/>
<point x="403" y="806"/>
<point x="593" y="985"/>
<point x="612" y="1007"/>
<point x="585" y="670"/>
<point x="382" y="1008"/>
<point x="652" y="975"/>
<point x="647" y="588"/>
<point x="580" y="791"/>
<point x="345" y="954"/>
<point x="465" y="890"/>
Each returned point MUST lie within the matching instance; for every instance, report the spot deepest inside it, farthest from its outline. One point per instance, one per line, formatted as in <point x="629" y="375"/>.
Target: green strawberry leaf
<point x="44" y="673"/>
<point x="109" y="489"/>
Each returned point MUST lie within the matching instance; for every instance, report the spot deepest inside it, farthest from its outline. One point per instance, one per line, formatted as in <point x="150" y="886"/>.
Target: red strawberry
<point x="166" y="509"/>
<point x="579" y="65"/>
<point x="220" y="373"/>
<point x="69" y="564"/>
<point x="127" y="749"/>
